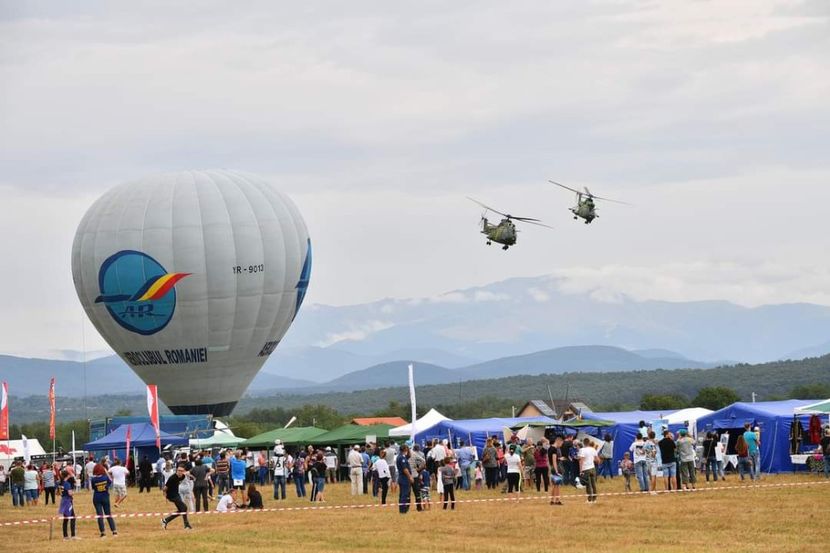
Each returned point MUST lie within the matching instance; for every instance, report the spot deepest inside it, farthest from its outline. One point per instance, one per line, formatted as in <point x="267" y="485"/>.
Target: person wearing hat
<point x="355" y="461"/>
<point x="332" y="465"/>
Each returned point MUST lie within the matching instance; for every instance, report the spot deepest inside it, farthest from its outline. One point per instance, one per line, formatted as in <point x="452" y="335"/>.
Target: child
<point x="479" y="475"/>
<point x="627" y="468"/>
<point x="425" y="500"/>
<point x="447" y="475"/>
<point x="186" y="492"/>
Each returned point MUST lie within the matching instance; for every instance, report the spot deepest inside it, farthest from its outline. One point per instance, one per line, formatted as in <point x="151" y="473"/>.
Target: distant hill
<point x="768" y="381"/>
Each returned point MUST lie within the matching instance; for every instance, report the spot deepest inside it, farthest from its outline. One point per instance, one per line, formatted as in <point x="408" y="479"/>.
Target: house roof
<point x="368" y="421"/>
<point x="541" y="406"/>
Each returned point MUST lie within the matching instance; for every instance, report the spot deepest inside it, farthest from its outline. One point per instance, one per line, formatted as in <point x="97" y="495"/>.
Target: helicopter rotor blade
<point x="609" y="200"/>
<point x="524" y="219"/>
<point x="565" y="187"/>
<point x="535" y="222"/>
<point x="488" y="207"/>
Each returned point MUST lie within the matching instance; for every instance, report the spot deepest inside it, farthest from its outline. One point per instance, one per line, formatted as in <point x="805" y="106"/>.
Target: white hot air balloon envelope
<point x="193" y="278"/>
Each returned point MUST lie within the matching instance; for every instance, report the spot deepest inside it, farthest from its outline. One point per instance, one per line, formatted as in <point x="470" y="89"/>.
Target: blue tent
<point x="474" y="430"/>
<point x="774" y="418"/>
<point x="142" y="438"/>
<point x="625" y="430"/>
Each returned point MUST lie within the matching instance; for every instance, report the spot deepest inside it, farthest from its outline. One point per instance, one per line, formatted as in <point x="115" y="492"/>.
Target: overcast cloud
<point x="378" y="118"/>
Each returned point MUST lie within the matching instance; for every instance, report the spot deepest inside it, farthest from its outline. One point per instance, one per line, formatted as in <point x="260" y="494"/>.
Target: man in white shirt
<point x="332" y="463"/>
<point x="384" y="475"/>
<point x="88" y="468"/>
<point x="587" y="469"/>
<point x="355" y="460"/>
<point x="119" y="474"/>
<point x="227" y="502"/>
<point x="514" y="469"/>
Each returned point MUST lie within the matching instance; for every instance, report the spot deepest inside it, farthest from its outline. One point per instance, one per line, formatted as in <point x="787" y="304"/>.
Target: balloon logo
<point x="138" y="292"/>
<point x="193" y="278"/>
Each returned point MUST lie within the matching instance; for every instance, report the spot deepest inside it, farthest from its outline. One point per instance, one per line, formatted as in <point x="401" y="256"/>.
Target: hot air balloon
<point x="193" y="278"/>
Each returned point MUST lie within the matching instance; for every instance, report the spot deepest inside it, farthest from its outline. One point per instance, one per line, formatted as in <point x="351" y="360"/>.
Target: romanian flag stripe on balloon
<point x="157" y="287"/>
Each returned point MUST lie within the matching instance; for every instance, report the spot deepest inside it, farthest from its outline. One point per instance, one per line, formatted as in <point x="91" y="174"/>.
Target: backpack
<point x="741" y="448"/>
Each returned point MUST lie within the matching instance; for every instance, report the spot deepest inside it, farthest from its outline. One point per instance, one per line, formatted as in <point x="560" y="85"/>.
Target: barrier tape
<point x="318" y="507"/>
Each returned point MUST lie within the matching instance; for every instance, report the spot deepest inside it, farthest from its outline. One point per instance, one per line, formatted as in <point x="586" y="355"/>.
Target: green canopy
<point x="815" y="408"/>
<point x="566" y="424"/>
<point x="298" y="435"/>
<point x="353" y="434"/>
<point x="219" y="439"/>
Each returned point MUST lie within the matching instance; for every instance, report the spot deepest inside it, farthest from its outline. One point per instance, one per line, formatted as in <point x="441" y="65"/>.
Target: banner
<point x="26" y="455"/>
<point x="127" y="449"/>
<point x="153" y="409"/>
<point x="52" y="409"/>
<point x="412" y="399"/>
<point x="4" y="411"/>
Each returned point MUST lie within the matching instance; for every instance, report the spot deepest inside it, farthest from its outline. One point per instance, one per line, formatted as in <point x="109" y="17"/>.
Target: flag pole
<point x="412" y="400"/>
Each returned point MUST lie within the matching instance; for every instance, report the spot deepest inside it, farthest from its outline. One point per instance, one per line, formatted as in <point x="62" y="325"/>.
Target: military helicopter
<point x="585" y="208"/>
<point x="505" y="232"/>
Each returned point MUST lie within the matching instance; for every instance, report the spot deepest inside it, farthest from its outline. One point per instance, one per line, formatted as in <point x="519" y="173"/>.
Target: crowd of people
<point x="190" y="481"/>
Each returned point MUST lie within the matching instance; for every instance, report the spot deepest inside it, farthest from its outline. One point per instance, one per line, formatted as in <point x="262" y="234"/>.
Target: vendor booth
<point x="142" y="441"/>
<point x="222" y="437"/>
<point x="627" y="424"/>
<point x="294" y="436"/>
<point x="430" y="419"/>
<point x="473" y="431"/>
<point x="777" y="420"/>
<point x="15" y="449"/>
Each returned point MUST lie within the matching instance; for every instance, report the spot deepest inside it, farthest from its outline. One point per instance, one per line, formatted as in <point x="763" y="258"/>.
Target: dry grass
<point x="733" y="520"/>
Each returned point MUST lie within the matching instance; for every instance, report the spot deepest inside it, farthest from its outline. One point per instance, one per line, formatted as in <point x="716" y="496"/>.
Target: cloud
<point x="355" y="333"/>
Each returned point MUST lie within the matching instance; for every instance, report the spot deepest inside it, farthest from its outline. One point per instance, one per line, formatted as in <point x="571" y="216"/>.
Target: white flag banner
<point x="26" y="455"/>
<point x="412" y="399"/>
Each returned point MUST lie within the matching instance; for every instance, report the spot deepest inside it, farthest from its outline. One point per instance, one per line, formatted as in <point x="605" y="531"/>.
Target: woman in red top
<point x="540" y="457"/>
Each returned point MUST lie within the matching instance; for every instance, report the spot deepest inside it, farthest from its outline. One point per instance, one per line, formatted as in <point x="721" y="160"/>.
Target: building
<point x="561" y="409"/>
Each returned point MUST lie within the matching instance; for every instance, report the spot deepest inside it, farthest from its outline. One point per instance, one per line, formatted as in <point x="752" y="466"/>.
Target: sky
<point x="378" y="118"/>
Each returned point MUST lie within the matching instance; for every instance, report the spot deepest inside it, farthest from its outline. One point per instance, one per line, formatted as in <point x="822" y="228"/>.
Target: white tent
<point x="429" y="420"/>
<point x="689" y="415"/>
<point x="9" y="450"/>
<point x="222" y="437"/>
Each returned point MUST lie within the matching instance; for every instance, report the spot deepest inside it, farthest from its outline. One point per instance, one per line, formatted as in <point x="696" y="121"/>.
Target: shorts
<point x="119" y="490"/>
<point x="393" y="473"/>
<point x="555" y="479"/>
<point x="652" y="468"/>
<point x="31" y="494"/>
<point x="669" y="470"/>
<point x="425" y="494"/>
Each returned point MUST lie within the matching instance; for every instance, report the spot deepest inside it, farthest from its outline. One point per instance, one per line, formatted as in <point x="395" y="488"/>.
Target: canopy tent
<point x="690" y="415"/>
<point x="430" y="419"/>
<point x="626" y="426"/>
<point x="142" y="438"/>
<point x="297" y="435"/>
<point x="349" y="434"/>
<point x="221" y="437"/>
<point x="473" y="431"/>
<point x="774" y="418"/>
<point x="820" y="408"/>
<point x="13" y="449"/>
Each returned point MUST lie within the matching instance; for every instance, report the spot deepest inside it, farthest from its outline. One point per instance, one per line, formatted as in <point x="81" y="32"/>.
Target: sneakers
<point x="188" y="527"/>
<point x="164" y="524"/>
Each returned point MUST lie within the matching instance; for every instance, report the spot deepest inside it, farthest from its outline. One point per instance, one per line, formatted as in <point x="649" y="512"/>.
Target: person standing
<point x="405" y="479"/>
<point x="650" y="448"/>
<point x="119" y="474"/>
<point x="201" y="472"/>
<point x="744" y="462"/>
<point x="67" y="506"/>
<point x="447" y="475"/>
<point x="355" y="461"/>
<point x="668" y="458"/>
<point x="417" y="463"/>
<point x="223" y="474"/>
<point x="465" y="458"/>
<point x="565" y="461"/>
<point x="391" y="455"/>
<point x="710" y="456"/>
<point x="686" y="452"/>
<point x="17" y="480"/>
<point x="88" y="468"/>
<point x="753" y="445"/>
<point x="587" y="469"/>
<point x="280" y="470"/>
<point x="319" y="470"/>
<point x="3" y="478"/>
<point x="47" y="477"/>
<point x="331" y="465"/>
<point x="171" y="493"/>
<point x="529" y="460"/>
<point x="606" y="454"/>
<point x="638" y="452"/>
<point x="490" y="461"/>
<point x="238" y="469"/>
<point x="31" y="485"/>
<point x="825" y="451"/>
<point x="159" y="466"/>
<point x="101" y="499"/>
<point x="514" y="470"/>
<point x="555" y="474"/>
<point x="541" y="470"/>
<point x="384" y="475"/>
<point x="145" y="475"/>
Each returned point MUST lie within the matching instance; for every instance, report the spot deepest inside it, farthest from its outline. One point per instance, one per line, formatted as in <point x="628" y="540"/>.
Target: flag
<point x="127" y="449"/>
<point x="26" y="456"/>
<point x="4" y="411"/>
<point x="52" y="409"/>
<point x="153" y="409"/>
<point x="73" y="450"/>
<point x="412" y="398"/>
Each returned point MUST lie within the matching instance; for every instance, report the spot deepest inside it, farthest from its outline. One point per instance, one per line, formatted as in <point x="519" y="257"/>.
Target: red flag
<point x="52" y="409"/>
<point x="127" y="449"/>
<point x="4" y="411"/>
<point x="153" y="408"/>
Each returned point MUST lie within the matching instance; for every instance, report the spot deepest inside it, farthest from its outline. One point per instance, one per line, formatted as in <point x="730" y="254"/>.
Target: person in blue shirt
<point x="238" y="467"/>
<point x="753" y="444"/>
<point x="465" y="459"/>
<point x="405" y="479"/>
<point x="101" y="484"/>
<point x="426" y="502"/>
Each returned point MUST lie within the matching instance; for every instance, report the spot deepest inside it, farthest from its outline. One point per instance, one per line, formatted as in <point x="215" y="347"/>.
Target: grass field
<point x="749" y="518"/>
